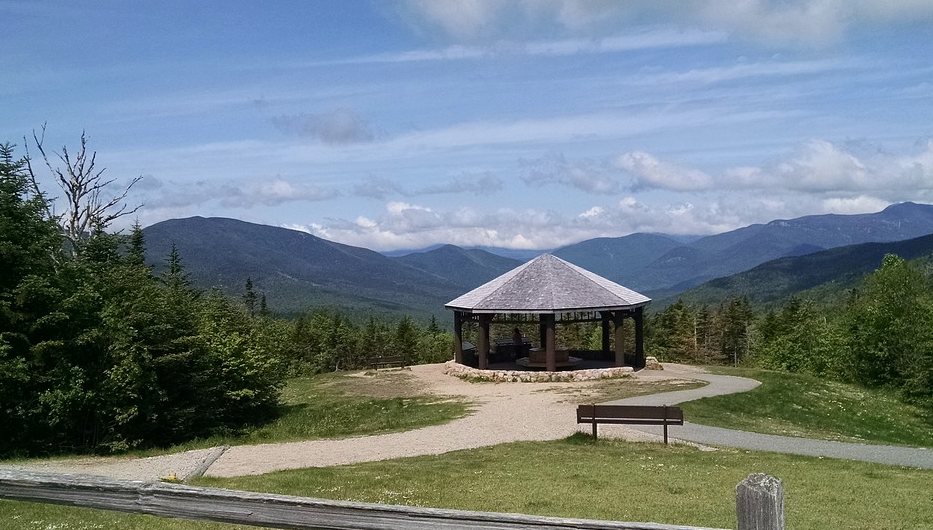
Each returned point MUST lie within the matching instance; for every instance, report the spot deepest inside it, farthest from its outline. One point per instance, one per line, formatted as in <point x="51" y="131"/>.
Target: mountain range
<point x="830" y="272"/>
<point x="298" y="271"/>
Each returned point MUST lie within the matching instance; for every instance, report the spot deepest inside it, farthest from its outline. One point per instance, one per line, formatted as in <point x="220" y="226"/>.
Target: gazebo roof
<point x="548" y="284"/>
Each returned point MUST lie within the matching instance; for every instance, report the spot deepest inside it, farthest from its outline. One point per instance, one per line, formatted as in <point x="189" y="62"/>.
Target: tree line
<point x="878" y="335"/>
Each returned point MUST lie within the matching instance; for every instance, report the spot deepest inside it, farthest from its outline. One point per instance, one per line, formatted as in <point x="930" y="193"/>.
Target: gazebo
<point x="557" y="292"/>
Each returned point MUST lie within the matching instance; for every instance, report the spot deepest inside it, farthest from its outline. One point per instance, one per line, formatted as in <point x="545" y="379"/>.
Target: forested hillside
<point x="832" y="272"/>
<point x="298" y="271"/>
<point x="879" y="334"/>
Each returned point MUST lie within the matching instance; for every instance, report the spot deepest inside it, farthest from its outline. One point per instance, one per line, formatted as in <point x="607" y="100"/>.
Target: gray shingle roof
<point x="547" y="284"/>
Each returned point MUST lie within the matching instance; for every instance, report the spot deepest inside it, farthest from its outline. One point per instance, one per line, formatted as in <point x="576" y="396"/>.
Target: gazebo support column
<point x="605" y="321"/>
<point x="550" y="355"/>
<point x="619" y="321"/>
<point x="542" y="331"/>
<point x="639" y="338"/>
<point x="458" y="337"/>
<point x="483" y="342"/>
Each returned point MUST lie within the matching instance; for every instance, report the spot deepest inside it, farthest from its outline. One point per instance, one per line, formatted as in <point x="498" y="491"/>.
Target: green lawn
<point x="622" y="481"/>
<point x="811" y="407"/>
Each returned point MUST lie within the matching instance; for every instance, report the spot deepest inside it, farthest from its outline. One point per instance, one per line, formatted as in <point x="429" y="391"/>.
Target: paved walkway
<point x="720" y="384"/>
<point x="504" y="413"/>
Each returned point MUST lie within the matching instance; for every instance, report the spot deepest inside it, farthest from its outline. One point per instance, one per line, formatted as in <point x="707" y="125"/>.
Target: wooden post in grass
<point x="759" y="503"/>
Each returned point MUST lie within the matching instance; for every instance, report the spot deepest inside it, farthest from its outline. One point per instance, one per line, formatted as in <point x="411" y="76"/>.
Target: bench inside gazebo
<point x="552" y="292"/>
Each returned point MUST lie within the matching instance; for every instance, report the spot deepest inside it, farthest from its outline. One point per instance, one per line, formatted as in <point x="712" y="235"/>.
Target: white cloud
<point x="746" y="70"/>
<point x="640" y="39"/>
<point x="811" y="22"/>
<point x="853" y="205"/>
<point x="584" y="175"/>
<point x="378" y="188"/>
<point x="595" y="211"/>
<point x="651" y="173"/>
<point x="335" y="127"/>
<point x="822" y="167"/>
<point x="405" y="225"/>
<point x="234" y="194"/>
<point x="483" y="184"/>
<point x="780" y="23"/>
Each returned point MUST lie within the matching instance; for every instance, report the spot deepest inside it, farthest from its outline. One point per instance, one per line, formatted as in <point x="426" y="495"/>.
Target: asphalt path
<point x="916" y="457"/>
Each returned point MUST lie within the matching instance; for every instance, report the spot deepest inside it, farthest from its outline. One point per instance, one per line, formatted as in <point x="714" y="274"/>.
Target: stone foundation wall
<point x="527" y="376"/>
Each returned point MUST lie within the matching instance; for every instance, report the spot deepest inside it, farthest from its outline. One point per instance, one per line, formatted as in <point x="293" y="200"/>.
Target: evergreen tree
<point x="735" y="329"/>
<point x="249" y="297"/>
<point x="890" y="330"/>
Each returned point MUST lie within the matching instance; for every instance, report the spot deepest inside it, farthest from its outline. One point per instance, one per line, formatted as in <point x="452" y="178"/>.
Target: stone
<point x="651" y="363"/>
<point x="520" y="376"/>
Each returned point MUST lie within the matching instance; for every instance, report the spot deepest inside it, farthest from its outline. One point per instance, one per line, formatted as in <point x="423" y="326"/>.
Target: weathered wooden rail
<point x="759" y="506"/>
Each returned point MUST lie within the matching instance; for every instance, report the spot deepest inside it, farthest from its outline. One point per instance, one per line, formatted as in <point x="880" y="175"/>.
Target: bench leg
<point x="665" y="433"/>
<point x="594" y="430"/>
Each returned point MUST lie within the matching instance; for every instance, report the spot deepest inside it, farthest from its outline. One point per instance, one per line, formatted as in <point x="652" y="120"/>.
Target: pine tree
<point x="250" y="298"/>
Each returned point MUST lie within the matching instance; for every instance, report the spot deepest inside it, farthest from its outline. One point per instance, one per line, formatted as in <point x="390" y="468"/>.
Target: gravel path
<point x="505" y="412"/>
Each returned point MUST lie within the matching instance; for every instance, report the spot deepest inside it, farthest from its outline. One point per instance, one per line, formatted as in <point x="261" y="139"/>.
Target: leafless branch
<point x="83" y="185"/>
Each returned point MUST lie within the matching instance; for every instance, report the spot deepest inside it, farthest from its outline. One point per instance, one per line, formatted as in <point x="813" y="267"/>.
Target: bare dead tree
<point x="83" y="185"/>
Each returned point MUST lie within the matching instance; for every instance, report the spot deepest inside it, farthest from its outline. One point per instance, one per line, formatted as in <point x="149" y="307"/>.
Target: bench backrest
<point x="587" y="413"/>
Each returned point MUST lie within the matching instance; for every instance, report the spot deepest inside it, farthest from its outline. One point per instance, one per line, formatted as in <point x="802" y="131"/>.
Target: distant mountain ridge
<point x="834" y="270"/>
<point x="298" y="271"/>
<point x="681" y="267"/>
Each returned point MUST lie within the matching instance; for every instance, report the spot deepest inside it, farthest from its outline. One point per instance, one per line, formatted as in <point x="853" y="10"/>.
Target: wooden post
<point x="458" y="337"/>
<point x="550" y="351"/>
<point x="542" y="330"/>
<point x="665" y="424"/>
<point x="759" y="503"/>
<point x="604" y="317"/>
<point x="639" y="338"/>
<point x="483" y="346"/>
<point x="619" y="321"/>
<point x="550" y="354"/>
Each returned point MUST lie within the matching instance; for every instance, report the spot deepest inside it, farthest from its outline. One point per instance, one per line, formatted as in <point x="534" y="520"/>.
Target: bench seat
<point x="630" y="415"/>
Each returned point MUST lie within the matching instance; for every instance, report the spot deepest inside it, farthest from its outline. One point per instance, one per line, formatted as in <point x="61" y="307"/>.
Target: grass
<point x="603" y="390"/>
<point x="342" y="404"/>
<point x="615" y="480"/>
<point x="610" y="479"/>
<point x="811" y="407"/>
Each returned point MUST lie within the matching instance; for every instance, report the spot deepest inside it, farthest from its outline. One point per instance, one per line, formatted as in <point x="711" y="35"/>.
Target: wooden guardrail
<point x="759" y="506"/>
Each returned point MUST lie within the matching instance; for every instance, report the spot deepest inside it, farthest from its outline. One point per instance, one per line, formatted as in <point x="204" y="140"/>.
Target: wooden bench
<point x="387" y="361"/>
<point x="630" y="415"/>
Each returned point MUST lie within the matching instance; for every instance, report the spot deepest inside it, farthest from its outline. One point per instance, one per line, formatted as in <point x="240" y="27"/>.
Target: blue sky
<point x="511" y="123"/>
